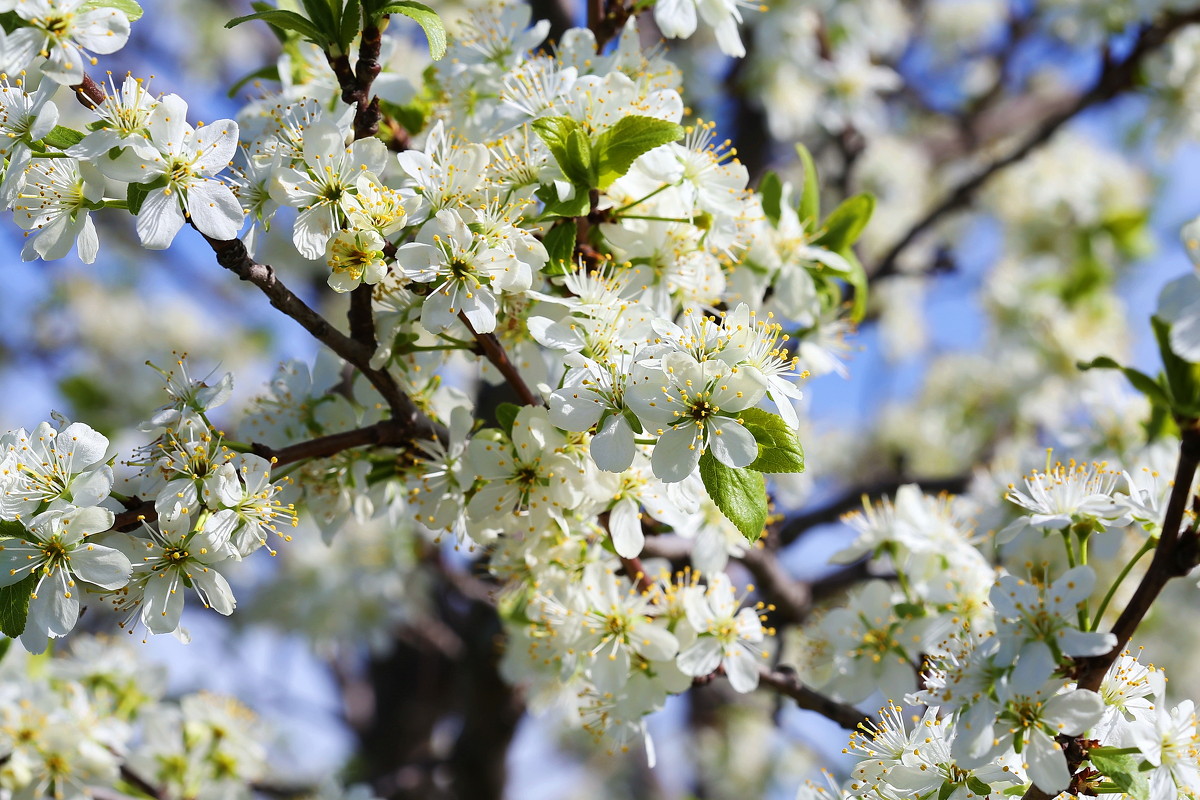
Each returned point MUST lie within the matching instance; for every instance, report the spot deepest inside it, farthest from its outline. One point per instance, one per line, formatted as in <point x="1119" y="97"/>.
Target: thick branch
<point x="784" y="681"/>
<point x="1173" y="557"/>
<point x="1116" y="77"/>
<point x="1164" y="565"/>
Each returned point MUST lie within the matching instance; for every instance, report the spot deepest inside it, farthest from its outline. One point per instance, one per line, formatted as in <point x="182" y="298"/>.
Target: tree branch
<point x="1173" y="557"/>
<point x="494" y="352"/>
<point x="1116" y="77"/>
<point x="852" y="500"/>
<point x="784" y="681"/>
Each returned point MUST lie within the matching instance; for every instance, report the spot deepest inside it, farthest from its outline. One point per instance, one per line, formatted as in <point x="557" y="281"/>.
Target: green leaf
<point x="556" y="132"/>
<point x="771" y="190"/>
<point x="560" y="244"/>
<point x="269" y="72"/>
<point x="15" y="530"/>
<point x="286" y="21"/>
<point x="741" y="494"/>
<point x="14" y="606"/>
<point x="577" y="206"/>
<point x="857" y="278"/>
<point x="323" y="14"/>
<point x="1181" y="375"/>
<point x="579" y="151"/>
<point x="128" y="7"/>
<point x="351" y="24"/>
<point x="778" y="448"/>
<point x="506" y="415"/>
<point x="1122" y="769"/>
<point x="810" y="197"/>
<point x="429" y="21"/>
<point x="978" y="787"/>
<point x="621" y="144"/>
<point x="61" y="138"/>
<point x="411" y="116"/>
<point x="135" y="195"/>
<point x="1140" y="380"/>
<point x="846" y="223"/>
<point x="947" y="789"/>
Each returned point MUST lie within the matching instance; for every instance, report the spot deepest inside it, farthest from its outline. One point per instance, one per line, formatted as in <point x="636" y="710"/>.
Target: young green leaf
<point x="60" y="138"/>
<point x="350" y="26"/>
<point x="14" y="606"/>
<point x="810" y="197"/>
<point x="1124" y="770"/>
<point x="560" y="245"/>
<point x="323" y="13"/>
<point x="1182" y="381"/>
<point x="506" y="415"/>
<point x="618" y="146"/>
<point x="577" y="206"/>
<point x="427" y="18"/>
<point x="267" y="73"/>
<point x="778" y="448"/>
<point x="741" y="494"/>
<point x="857" y="278"/>
<point x="129" y="8"/>
<point x="286" y="21"/>
<point x="770" y="188"/>
<point x="1140" y="380"/>
<point x="575" y="161"/>
<point x="846" y="223"/>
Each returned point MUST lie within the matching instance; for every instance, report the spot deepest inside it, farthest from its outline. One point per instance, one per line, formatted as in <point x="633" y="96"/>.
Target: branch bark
<point x="784" y="681"/>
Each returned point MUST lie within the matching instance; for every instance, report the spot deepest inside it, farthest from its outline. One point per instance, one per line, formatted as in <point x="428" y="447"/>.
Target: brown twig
<point x="785" y="681"/>
<point x="141" y="784"/>
<point x="637" y="573"/>
<point x="386" y="433"/>
<point x="489" y="343"/>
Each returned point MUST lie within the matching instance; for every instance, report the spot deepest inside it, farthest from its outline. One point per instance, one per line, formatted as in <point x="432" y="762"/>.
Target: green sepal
<point x="740" y="494"/>
<point x="427" y="18"/>
<point x="778" y="448"/>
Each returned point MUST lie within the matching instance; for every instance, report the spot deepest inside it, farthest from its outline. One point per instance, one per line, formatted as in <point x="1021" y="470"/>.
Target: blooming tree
<point x="554" y="459"/>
